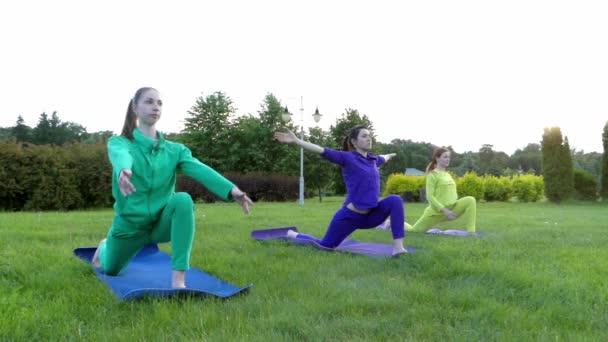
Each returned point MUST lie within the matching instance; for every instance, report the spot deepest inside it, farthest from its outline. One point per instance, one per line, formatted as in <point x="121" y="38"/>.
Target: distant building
<point x="410" y="171"/>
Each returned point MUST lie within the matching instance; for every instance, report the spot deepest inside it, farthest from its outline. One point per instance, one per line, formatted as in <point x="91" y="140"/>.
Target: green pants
<point x="176" y="224"/>
<point x="465" y="208"/>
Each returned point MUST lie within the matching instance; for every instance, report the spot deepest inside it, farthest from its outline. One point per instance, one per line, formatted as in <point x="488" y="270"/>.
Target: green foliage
<point x="585" y="185"/>
<point x="208" y="132"/>
<point x="470" y="184"/>
<point x="604" y="175"/>
<point x="557" y="165"/>
<point x="318" y="172"/>
<point x="497" y="188"/>
<point x="398" y="184"/>
<point x="54" y="178"/>
<point x="258" y="186"/>
<point x="409" y="154"/>
<point x="528" y="188"/>
<point x="492" y="162"/>
<point x="55" y="132"/>
<point x="528" y="158"/>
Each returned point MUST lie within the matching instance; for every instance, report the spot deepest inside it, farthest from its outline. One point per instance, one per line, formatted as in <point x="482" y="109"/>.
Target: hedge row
<point x="78" y="176"/>
<point x="524" y="188"/>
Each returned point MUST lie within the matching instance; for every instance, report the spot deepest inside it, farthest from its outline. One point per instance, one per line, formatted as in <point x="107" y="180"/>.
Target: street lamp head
<point x="317" y="115"/>
<point x="286" y="115"/>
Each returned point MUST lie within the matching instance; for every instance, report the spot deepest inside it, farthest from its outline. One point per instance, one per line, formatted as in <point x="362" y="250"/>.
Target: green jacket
<point x="154" y="164"/>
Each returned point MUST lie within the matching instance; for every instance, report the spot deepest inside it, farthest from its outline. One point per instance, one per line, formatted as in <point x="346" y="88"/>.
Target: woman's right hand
<point x="288" y="137"/>
<point x="124" y="182"/>
<point x="449" y="214"/>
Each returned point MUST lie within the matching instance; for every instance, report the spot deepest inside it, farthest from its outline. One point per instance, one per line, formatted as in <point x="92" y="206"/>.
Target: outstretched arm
<point x="290" y="138"/>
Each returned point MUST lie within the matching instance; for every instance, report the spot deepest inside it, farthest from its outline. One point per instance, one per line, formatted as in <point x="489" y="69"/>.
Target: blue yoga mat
<point x="351" y="246"/>
<point x="149" y="274"/>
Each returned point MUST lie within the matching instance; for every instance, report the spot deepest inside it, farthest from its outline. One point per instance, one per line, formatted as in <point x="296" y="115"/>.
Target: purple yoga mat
<point x="453" y="232"/>
<point x="348" y="245"/>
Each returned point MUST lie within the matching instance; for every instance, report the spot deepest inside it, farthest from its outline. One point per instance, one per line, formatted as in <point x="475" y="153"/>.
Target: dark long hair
<point x="131" y="117"/>
<point x="436" y="154"/>
<point x="347" y="144"/>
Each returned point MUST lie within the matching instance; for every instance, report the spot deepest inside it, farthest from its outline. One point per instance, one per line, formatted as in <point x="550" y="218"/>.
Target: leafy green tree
<point x="317" y="171"/>
<point x="604" y="178"/>
<point x="409" y="154"/>
<point x="556" y="165"/>
<point x="208" y="129"/>
<point x="528" y="158"/>
<point x="349" y="119"/>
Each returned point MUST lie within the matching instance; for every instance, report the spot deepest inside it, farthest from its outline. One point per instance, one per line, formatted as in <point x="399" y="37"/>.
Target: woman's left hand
<point x="389" y="156"/>
<point x="241" y="198"/>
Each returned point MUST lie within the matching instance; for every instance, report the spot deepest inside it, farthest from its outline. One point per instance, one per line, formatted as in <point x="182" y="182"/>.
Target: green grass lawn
<point x="541" y="273"/>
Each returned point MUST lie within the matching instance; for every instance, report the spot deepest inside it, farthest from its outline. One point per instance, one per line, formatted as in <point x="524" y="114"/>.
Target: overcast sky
<point x="460" y="73"/>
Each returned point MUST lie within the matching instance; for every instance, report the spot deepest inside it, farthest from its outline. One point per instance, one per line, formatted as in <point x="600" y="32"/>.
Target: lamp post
<point x="286" y="117"/>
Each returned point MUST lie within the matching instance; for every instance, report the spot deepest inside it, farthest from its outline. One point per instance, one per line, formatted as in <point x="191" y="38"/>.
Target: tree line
<point x="243" y="144"/>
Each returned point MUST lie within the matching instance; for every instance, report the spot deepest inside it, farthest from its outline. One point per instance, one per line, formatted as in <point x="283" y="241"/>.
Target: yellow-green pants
<point x="176" y="224"/>
<point x="465" y="208"/>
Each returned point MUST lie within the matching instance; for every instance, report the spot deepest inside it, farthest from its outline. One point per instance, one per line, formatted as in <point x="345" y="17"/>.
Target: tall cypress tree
<point x="556" y="165"/>
<point x="604" y="177"/>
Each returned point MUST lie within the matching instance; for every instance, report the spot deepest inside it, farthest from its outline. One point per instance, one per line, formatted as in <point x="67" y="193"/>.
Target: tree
<point x="527" y="159"/>
<point x="604" y="177"/>
<point x="349" y="119"/>
<point x="557" y="165"/>
<point x="42" y="131"/>
<point x="21" y="131"/>
<point x="208" y="130"/>
<point x="55" y="132"/>
<point x="318" y="172"/>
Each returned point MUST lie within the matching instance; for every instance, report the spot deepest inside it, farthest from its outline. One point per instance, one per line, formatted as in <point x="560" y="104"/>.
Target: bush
<point x="497" y="188"/>
<point x="399" y="184"/>
<point x="528" y="188"/>
<point x="585" y="185"/>
<point x="470" y="185"/>
<point x="258" y="186"/>
<point x="54" y="178"/>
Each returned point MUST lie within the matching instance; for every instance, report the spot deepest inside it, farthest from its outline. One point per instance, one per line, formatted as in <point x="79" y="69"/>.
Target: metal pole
<point x="301" y="151"/>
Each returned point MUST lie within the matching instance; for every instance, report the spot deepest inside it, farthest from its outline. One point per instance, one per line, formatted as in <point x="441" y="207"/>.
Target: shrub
<point x="528" y="188"/>
<point x="399" y="184"/>
<point x="497" y="188"/>
<point x="470" y="185"/>
<point x="258" y="186"/>
<point x="585" y="185"/>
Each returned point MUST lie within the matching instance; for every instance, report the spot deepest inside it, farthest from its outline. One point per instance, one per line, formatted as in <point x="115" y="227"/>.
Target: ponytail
<point x="131" y="118"/>
<point x="347" y="144"/>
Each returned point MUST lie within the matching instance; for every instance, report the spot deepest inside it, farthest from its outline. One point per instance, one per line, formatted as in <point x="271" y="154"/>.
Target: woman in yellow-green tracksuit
<point x="147" y="208"/>
<point x="444" y="203"/>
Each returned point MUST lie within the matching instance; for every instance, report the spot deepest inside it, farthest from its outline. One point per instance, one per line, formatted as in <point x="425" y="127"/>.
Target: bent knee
<point x="469" y="199"/>
<point x="395" y="200"/>
<point x="183" y="199"/>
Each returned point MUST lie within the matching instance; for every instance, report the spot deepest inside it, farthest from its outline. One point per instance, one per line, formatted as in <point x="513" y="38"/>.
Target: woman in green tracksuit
<point x="147" y="208"/>
<point x="444" y="203"/>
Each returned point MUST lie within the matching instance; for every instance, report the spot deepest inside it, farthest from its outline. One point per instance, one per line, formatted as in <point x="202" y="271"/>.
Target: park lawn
<point x="540" y="273"/>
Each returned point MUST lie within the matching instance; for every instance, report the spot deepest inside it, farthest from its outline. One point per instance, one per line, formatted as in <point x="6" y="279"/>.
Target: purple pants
<point x="346" y="221"/>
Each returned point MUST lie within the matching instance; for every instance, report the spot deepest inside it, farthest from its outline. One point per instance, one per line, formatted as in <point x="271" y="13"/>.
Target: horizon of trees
<point x="231" y="143"/>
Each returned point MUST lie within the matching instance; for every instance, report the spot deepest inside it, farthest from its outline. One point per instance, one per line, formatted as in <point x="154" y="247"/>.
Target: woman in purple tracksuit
<point x="362" y="208"/>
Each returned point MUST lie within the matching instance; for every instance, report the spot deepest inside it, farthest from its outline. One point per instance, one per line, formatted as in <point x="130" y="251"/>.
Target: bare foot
<point x="178" y="279"/>
<point x="291" y="234"/>
<point x="398" y="252"/>
<point x="95" y="260"/>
